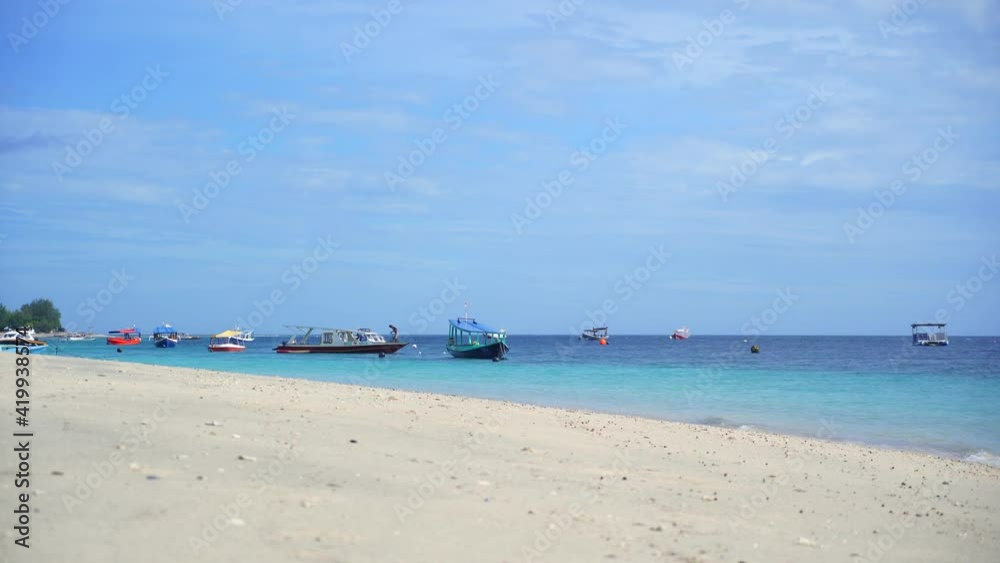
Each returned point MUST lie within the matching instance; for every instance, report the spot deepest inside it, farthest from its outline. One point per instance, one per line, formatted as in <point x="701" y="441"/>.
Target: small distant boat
<point x="469" y="339"/>
<point x="186" y="336"/>
<point x="80" y="337"/>
<point x="227" y="341"/>
<point x="934" y="337"/>
<point x="682" y="333"/>
<point x="247" y="334"/>
<point x="165" y="336"/>
<point x="596" y="333"/>
<point x="337" y="341"/>
<point x="14" y="339"/>
<point x="125" y="337"/>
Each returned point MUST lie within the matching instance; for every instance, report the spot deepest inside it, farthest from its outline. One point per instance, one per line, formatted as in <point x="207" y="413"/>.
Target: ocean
<point x="872" y="390"/>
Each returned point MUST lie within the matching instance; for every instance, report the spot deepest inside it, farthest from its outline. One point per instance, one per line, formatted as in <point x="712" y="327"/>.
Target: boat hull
<point x="387" y="348"/>
<point x="124" y="341"/>
<point x="165" y="343"/>
<point x="33" y="349"/>
<point x="590" y="337"/>
<point x="487" y="352"/>
<point x="226" y="348"/>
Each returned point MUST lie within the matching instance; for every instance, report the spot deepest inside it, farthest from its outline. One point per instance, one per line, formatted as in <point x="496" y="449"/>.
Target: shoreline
<point x="186" y="464"/>
<point x="980" y="455"/>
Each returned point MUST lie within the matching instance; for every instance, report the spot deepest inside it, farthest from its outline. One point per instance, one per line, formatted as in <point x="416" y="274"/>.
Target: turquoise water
<point x="874" y="390"/>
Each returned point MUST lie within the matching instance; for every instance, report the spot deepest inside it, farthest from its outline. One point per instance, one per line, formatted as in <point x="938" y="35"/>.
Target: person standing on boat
<point x="395" y="333"/>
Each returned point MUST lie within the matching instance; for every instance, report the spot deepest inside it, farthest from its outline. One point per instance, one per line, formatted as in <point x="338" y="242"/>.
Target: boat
<point x="470" y="339"/>
<point x="934" y="337"/>
<point x="682" y="333"/>
<point x="125" y="337"/>
<point x="247" y="334"/>
<point x="13" y="340"/>
<point x="14" y="336"/>
<point x="596" y="333"/>
<point x="80" y="337"/>
<point x="319" y="340"/>
<point x="186" y="336"/>
<point x="165" y="336"/>
<point x="227" y="341"/>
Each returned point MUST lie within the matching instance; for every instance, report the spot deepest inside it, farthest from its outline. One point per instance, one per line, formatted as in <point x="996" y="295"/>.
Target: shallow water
<point x="874" y="390"/>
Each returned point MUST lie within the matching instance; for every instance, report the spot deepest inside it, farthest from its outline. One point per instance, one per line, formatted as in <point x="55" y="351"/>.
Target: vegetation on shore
<point x="40" y="314"/>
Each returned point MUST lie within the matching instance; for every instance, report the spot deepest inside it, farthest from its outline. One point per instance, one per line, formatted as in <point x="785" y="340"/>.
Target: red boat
<point x="682" y="333"/>
<point x="125" y="337"/>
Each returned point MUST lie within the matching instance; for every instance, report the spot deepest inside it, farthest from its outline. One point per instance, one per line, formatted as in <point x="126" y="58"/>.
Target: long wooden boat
<point x="596" y="333"/>
<point x="318" y="340"/>
<point x="470" y="339"/>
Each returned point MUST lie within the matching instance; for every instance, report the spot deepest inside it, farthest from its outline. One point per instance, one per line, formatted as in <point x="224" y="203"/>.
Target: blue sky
<point x="633" y="114"/>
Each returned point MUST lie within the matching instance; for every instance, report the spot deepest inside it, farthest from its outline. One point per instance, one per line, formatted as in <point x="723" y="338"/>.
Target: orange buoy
<point x="603" y="342"/>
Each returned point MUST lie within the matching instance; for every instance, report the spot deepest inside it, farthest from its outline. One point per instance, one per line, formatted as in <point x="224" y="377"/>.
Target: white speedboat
<point x="11" y="340"/>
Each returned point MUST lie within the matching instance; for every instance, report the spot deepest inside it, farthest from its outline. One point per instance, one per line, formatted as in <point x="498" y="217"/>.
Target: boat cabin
<point x="596" y="332"/>
<point x="336" y="337"/>
<point x="929" y="334"/>
<point x="467" y="332"/>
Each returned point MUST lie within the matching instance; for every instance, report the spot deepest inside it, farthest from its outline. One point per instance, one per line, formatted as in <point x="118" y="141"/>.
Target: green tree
<point x="4" y="316"/>
<point x="42" y="315"/>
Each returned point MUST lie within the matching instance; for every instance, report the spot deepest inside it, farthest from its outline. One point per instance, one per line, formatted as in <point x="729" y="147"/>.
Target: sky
<point x="739" y="167"/>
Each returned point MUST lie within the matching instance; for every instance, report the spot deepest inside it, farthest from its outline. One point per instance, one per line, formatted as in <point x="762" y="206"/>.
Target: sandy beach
<point x="133" y="462"/>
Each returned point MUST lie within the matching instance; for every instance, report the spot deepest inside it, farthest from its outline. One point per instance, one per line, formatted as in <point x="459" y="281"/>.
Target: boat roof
<point x="470" y="325"/>
<point x="326" y="328"/>
<point x="123" y="331"/>
<point x="915" y="325"/>
<point x="165" y="328"/>
<point x="228" y="334"/>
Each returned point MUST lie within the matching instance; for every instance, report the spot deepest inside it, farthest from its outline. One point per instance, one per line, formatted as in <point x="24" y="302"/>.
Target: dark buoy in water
<point x="381" y="354"/>
<point x="755" y="349"/>
<point x="119" y="350"/>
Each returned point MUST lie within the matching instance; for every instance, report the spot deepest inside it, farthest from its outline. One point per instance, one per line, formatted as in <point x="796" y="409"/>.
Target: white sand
<point x="139" y="463"/>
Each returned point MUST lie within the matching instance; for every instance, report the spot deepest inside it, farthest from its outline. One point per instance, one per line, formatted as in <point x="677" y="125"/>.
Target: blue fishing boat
<point x="165" y="336"/>
<point x="470" y="339"/>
